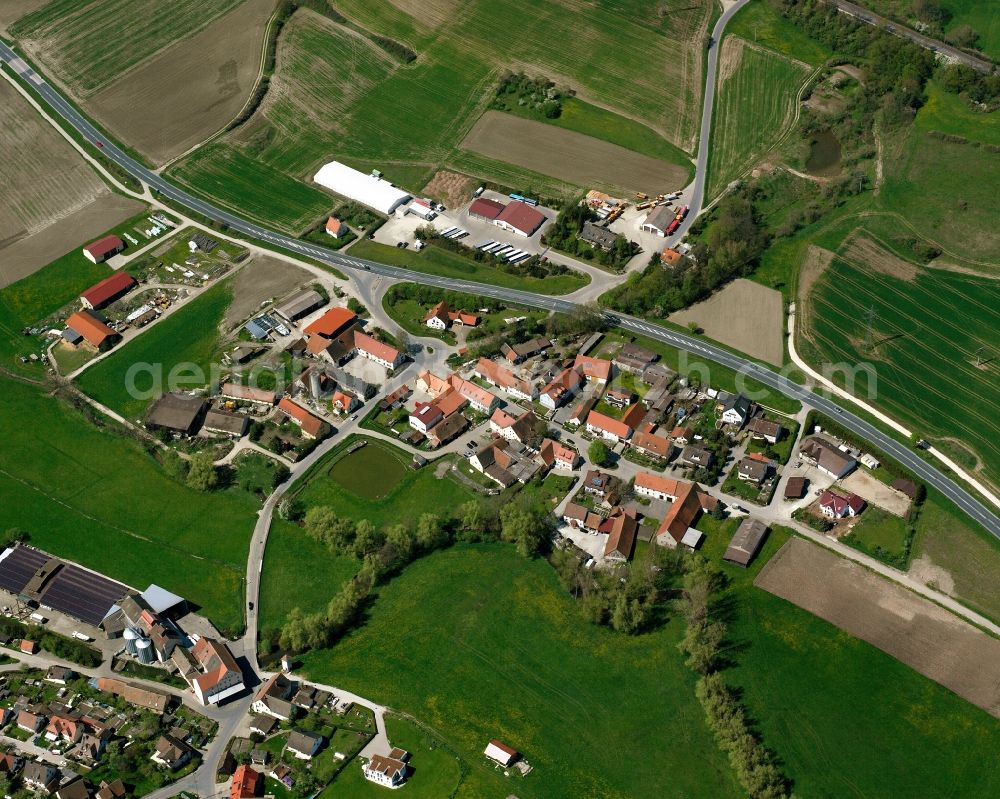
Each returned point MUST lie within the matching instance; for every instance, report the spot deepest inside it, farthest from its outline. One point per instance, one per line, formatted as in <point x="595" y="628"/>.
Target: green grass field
<point x="99" y="499"/>
<point x="820" y="697"/>
<point x="756" y="105"/>
<point x="949" y="113"/>
<point x="759" y="23"/>
<point x="188" y="336"/>
<point x="76" y="44"/>
<point x="413" y="493"/>
<point x="878" y="528"/>
<point x="437" y="261"/>
<point x="479" y="643"/>
<point x="930" y="329"/>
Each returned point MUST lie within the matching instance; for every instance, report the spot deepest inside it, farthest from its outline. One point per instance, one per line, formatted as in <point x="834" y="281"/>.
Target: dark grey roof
<point x="598" y="236"/>
<point x="176" y="412"/>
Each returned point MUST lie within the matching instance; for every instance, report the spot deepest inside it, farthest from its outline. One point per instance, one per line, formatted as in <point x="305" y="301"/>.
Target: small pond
<point x="824" y="154"/>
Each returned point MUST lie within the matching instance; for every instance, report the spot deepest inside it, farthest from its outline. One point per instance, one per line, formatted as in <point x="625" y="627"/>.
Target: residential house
<point x="395" y="399"/>
<point x="497" y="375"/>
<point x="682" y="435"/>
<point x="736" y="410"/>
<point x="670" y="257"/>
<point x="220" y="676"/>
<point x="430" y="383"/>
<point x="753" y="470"/>
<point x="303" y="744"/>
<point x="619" y="398"/>
<point x="343" y="402"/>
<point x="92" y="745"/>
<point x="91" y="332"/>
<point x="596" y="370"/>
<point x="388" y="770"/>
<point x="582" y="411"/>
<point x="375" y="350"/>
<point x="746" y="542"/>
<point x="555" y="455"/>
<point x="39" y="776"/>
<point x="580" y="518"/>
<point x="30" y="722"/>
<point x="519" y="352"/>
<point x="621" y="537"/>
<point x="500" y="753"/>
<point x="336" y="228"/>
<point x="112" y="790"/>
<point x="29" y="647"/>
<point x="10" y="763"/>
<point x="765" y="430"/>
<point x="263" y="724"/>
<point x="520" y="429"/>
<point x="597" y="483"/>
<point x="656" y="486"/>
<point x="311" y="426"/>
<point x="425" y="415"/>
<point x="107" y="291"/>
<point x="76" y="788"/>
<point x="598" y="237"/>
<point x="828" y="458"/>
<point x="171" y="752"/>
<point x="836" y="506"/>
<point x="607" y="428"/>
<point x="63" y="728"/>
<point x="677" y="526"/>
<point x="273" y="699"/>
<point x="652" y="445"/>
<point x="504" y="463"/>
<point x="696" y="455"/>
<point x="479" y="398"/>
<point x="247" y="782"/>
<point x="561" y="388"/>
<point x="283" y="774"/>
<point x="60" y="675"/>
<point x="442" y="316"/>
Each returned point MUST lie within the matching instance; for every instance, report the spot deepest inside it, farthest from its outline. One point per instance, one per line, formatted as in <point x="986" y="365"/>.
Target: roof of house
<point x="597" y="235"/>
<point x="582" y="409"/>
<point x="449" y="428"/>
<point x="249" y="393"/>
<point x="109" y="288"/>
<point x="216" y="662"/>
<point x="501" y="376"/>
<point x="839" y="504"/>
<point x="312" y="425"/>
<point x="695" y="453"/>
<point x="826" y="455"/>
<point x="334" y="226"/>
<point x="621" y="538"/>
<point x="427" y="413"/>
<point x="522" y="217"/>
<point x="483" y="206"/>
<point x="374" y="347"/>
<point x="246" y="782"/>
<point x="568" y="380"/>
<point x="112" y="790"/>
<point x="594" y="368"/>
<point x="171" y="749"/>
<point x="753" y="468"/>
<point x="472" y="392"/>
<point x="597" y="480"/>
<point x="650" y="442"/>
<point x="795" y="487"/>
<point x="680" y="431"/>
<point x="670" y="257"/>
<point x="609" y="425"/>
<point x="175" y="412"/>
<point x="105" y="246"/>
<point x="682" y="514"/>
<point x="450" y="402"/>
<point x="440" y="311"/>
<point x="655" y="482"/>
<point x="737" y="403"/>
<point x="391" y="767"/>
<point x="552" y="451"/>
<point x="659" y="218"/>
<point x="764" y="427"/>
<point x="332" y="322"/>
<point x="93" y="330"/>
<point x="304" y="741"/>
<point x="746" y="541"/>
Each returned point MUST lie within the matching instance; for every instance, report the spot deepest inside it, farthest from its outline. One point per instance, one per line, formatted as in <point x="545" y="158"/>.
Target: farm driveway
<point x="910" y="628"/>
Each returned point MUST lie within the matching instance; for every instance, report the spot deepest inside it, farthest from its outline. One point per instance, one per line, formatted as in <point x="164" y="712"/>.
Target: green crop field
<point x="90" y="43"/>
<point x="480" y="643"/>
<point x="190" y="336"/>
<point x="756" y="105"/>
<point x="820" y="697"/>
<point x="97" y="498"/>
<point x="927" y="331"/>
<point x="413" y="493"/>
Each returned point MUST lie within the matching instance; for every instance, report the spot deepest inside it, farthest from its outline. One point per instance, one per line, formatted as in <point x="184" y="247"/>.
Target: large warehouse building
<point x="365" y="189"/>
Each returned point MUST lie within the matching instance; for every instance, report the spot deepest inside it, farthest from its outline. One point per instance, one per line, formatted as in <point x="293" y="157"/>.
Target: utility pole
<point x="979" y="357"/>
<point x="870" y="317"/>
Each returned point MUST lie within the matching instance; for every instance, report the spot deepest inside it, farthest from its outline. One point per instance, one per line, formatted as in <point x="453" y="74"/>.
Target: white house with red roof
<point x="607" y="428"/>
<point x="377" y="351"/>
<point x="837" y="507"/>
<point x="220" y="677"/>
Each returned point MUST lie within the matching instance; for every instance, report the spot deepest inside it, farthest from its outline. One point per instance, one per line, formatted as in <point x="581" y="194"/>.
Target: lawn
<point x="821" y="697"/>
<point x="951" y="114"/>
<point x="413" y="491"/>
<point x="928" y="330"/>
<point x="92" y="496"/>
<point x="759" y="23"/>
<point x="756" y="105"/>
<point x="437" y="261"/>
<point x="187" y="338"/>
<point x="879" y="533"/>
<point x="517" y="661"/>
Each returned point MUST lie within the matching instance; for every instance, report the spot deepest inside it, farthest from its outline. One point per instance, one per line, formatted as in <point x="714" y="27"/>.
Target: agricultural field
<point x="757" y="93"/>
<point x="263" y="279"/>
<point x="376" y="483"/>
<point x="141" y="526"/>
<point x="189" y="90"/>
<point x="71" y="38"/>
<point x="928" y="326"/>
<point x="820" y="696"/>
<point x="744" y="315"/>
<point x="52" y="199"/>
<point x="519" y="662"/>
<point x="188" y="337"/>
<point x="570" y="156"/>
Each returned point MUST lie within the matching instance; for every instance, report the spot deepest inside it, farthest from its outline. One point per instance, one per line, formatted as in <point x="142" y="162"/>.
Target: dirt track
<point x="900" y="623"/>
<point x="744" y="315"/>
<point x="569" y="156"/>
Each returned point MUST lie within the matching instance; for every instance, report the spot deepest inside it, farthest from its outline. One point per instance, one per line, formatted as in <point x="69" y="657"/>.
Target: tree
<point x="320" y="523"/>
<point x="472" y="516"/>
<point x="367" y="538"/>
<point x="599" y="453"/>
<point x="202" y="474"/>
<point x="290" y="509"/>
<point x="523" y="528"/>
<point x="11" y="536"/>
<point x="174" y="465"/>
<point x="430" y="532"/>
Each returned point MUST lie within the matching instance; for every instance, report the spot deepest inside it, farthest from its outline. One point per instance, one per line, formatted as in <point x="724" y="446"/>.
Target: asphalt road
<point x="932" y="476"/>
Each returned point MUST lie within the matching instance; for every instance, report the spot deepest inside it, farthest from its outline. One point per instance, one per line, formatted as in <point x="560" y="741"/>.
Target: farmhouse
<point x="561" y="388"/>
<point x="177" y="412"/>
<point x="652" y="445"/>
<point x="746" y="542"/>
<point x="219" y="678"/>
<point x="102" y="249"/>
<point x="519" y="429"/>
<point x="366" y="189"/>
<point x="497" y="375"/>
<point x="657" y="221"/>
<point x="598" y="237"/>
<point x="441" y="317"/>
<point x="298" y="305"/>
<point x="504" y="463"/>
<point x="335" y="228"/>
<point x="677" y="525"/>
<point x="838" y="507"/>
<point x="597" y="370"/>
<point x="388" y="770"/>
<point x="764" y="429"/>
<point x="484" y="208"/>
<point x="521" y="218"/>
<point x="272" y="698"/>
<point x="557" y="456"/>
<point x="90" y="331"/>
<point x="107" y="291"/>
<point x="827" y="458"/>
<point x="478" y="397"/>
<point x="236" y="391"/>
<point x="635" y="359"/>
<point x="500" y="753"/>
<point x="312" y="426"/>
<point x="621" y="537"/>
<point x="375" y="350"/>
<point x="670" y="257"/>
<point x="608" y="428"/>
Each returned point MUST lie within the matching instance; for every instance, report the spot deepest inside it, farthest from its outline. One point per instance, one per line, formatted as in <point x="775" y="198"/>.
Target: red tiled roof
<point x="334" y="226"/>
<point x="595" y="368"/>
<point x="651" y="443"/>
<point x="450" y="402"/>
<point x="483" y="206"/>
<point x="440" y="311"/>
<point x="93" y="330"/>
<point x="682" y="513"/>
<point x="606" y="423"/>
<point x="634" y="416"/>
<point x="104" y="247"/>
<point x="109" y="288"/>
<point x="521" y="216"/>
<point x="670" y="256"/>
<point x="655" y="482"/>
<point x="332" y="322"/>
<point x="310" y="424"/>
<point x="373" y="346"/>
<point x="246" y="783"/>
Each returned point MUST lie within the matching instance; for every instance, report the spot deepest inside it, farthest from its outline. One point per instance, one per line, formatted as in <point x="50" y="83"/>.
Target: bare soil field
<point x="451" y="187"/>
<point x="262" y="279"/>
<point x="568" y="155"/>
<point x="813" y="266"/>
<point x="929" y="573"/>
<point x="191" y="89"/>
<point x="11" y="10"/>
<point x="25" y="256"/>
<point x="744" y="315"/>
<point x="862" y="252"/>
<point x="877" y="493"/>
<point x="910" y="628"/>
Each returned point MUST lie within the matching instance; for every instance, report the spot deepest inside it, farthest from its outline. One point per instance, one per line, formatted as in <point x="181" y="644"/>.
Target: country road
<point x="968" y="503"/>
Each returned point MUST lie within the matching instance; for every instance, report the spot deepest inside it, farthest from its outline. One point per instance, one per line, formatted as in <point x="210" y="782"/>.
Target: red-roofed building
<point x="344" y="402"/>
<point x="425" y="415"/>
<point x="676" y="527"/>
<point x="375" y="350"/>
<point x="519" y="429"/>
<point x="102" y="249"/>
<point x="557" y="456"/>
<point x="107" y="291"/>
<point x="247" y="782"/>
<point x="335" y="228"/>
<point x="441" y="317"/>
<point x="332" y="323"/>
<point x="622" y="529"/>
<point x="519" y="217"/>
<point x="502" y="377"/>
<point x="561" y="389"/>
<point x="220" y="676"/>
<point x="670" y="257"/>
<point x="593" y="368"/>
<point x="652" y="445"/>
<point x="312" y="426"/>
<point x="484" y="208"/>
<point x="93" y="331"/>
<point x="608" y="428"/>
<point x="838" y="507"/>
